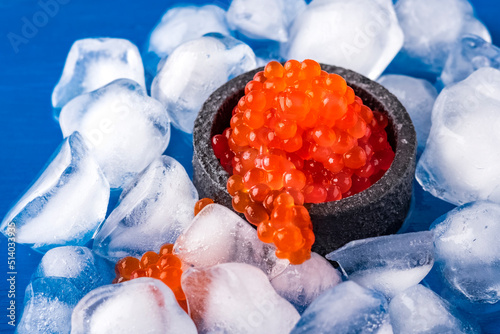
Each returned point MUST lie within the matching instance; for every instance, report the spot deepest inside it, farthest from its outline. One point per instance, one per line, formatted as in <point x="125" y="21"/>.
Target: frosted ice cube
<point x="388" y="264"/>
<point x="153" y="210"/>
<point x="236" y="298"/>
<point x="301" y="284"/>
<point x="431" y="28"/>
<point x="461" y="160"/>
<point x="218" y="235"/>
<point x="65" y="205"/>
<point x="126" y="129"/>
<point x="346" y="308"/>
<point x="468" y="257"/>
<point x="143" y="305"/>
<point x="362" y="35"/>
<point x="418" y="310"/>
<point x="264" y="19"/>
<point x="194" y="70"/>
<point x="78" y="264"/>
<point x="48" y="305"/>
<point x="418" y="97"/>
<point x="182" y="24"/>
<point x="95" y="62"/>
<point x="468" y="55"/>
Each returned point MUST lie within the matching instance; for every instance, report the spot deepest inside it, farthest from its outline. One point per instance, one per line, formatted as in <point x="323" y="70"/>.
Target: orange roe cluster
<point x="299" y="135"/>
<point x="164" y="265"/>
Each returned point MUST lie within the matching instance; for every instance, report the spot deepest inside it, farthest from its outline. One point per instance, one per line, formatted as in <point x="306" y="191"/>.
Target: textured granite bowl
<point x="379" y="210"/>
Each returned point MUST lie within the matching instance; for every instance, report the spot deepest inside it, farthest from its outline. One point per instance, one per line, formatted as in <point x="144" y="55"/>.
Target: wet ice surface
<point x="301" y="284"/>
<point x="95" y="62"/>
<point x="236" y="298"/>
<point x="346" y="308"/>
<point x="179" y="25"/>
<point x="153" y="210"/>
<point x="125" y="128"/>
<point x="143" y="305"/>
<point x="418" y="97"/>
<point x="363" y="35"/>
<point x="431" y="28"/>
<point x="48" y="305"/>
<point x="388" y="264"/>
<point x="264" y="19"/>
<point x="67" y="202"/>
<point x="468" y="55"/>
<point x="461" y="160"/>
<point x="79" y="265"/>
<point x="418" y="310"/>
<point x="194" y="71"/>
<point x="218" y="235"/>
<point x="467" y="269"/>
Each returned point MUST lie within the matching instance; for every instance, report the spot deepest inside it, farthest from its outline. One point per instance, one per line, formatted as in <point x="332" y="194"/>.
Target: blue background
<point x="28" y="133"/>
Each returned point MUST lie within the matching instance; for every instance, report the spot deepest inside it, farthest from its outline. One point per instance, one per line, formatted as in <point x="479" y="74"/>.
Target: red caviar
<point x="299" y="135"/>
<point x="164" y="265"/>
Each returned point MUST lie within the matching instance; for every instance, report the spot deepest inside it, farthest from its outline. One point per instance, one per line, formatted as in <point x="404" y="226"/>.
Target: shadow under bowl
<point x="378" y="210"/>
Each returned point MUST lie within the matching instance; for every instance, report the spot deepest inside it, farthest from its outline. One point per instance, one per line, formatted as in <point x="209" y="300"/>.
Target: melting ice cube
<point x="182" y="24"/>
<point x="65" y="205"/>
<point x="194" y="70"/>
<point x="388" y="264"/>
<point x="126" y="128"/>
<point x="236" y="298"/>
<point x="95" y="62"/>
<point x="461" y="160"/>
<point x="153" y="210"/>
<point x="468" y="55"/>
<point x="362" y="35"/>
<point x="418" y="310"/>
<point x="143" y="305"/>
<point x="264" y="19"/>
<point x="346" y="308"/>
<point x="431" y="28"/>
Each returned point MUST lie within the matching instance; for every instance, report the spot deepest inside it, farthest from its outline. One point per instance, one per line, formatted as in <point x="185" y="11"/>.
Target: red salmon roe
<point x="299" y="135"/>
<point x="164" y="265"/>
<point x="201" y="204"/>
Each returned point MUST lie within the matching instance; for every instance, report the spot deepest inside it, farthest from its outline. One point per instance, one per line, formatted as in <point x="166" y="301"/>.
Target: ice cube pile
<point x="116" y="106"/>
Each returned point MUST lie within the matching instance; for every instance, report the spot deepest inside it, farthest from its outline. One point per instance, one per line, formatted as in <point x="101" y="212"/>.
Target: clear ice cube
<point x="125" y="128"/>
<point x="95" y="62"/>
<point x="65" y="205"/>
<point x="195" y="70"/>
<point x="153" y="210"/>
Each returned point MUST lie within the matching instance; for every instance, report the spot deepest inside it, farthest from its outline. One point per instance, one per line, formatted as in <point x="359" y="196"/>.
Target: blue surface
<point x="29" y="71"/>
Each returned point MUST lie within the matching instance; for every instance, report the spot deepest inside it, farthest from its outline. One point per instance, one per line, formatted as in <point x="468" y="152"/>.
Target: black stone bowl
<point x="378" y="210"/>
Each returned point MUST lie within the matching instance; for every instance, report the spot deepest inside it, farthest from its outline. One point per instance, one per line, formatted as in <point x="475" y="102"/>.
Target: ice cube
<point x="65" y="205"/>
<point x="461" y="160"/>
<point x="264" y="19"/>
<point x="418" y="97"/>
<point x="78" y="264"/>
<point x="95" y="62"/>
<point x="346" y="308"/>
<point x="218" y="235"/>
<point x="467" y="269"/>
<point x="143" y="305"/>
<point x="194" y="70"/>
<point x="179" y="25"/>
<point x="236" y="298"/>
<point x="153" y="210"/>
<point x="388" y="264"/>
<point x="362" y="35"/>
<point x="301" y="284"/>
<point x="428" y="41"/>
<point x="468" y="55"/>
<point x="48" y="305"/>
<point x="126" y="128"/>
<point x="418" y="310"/>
